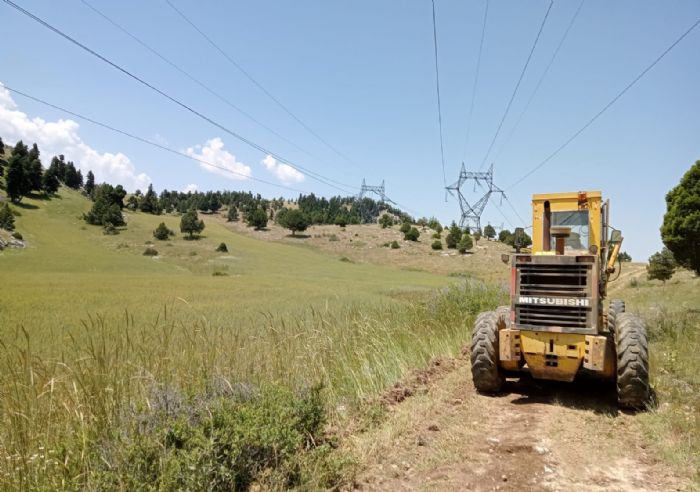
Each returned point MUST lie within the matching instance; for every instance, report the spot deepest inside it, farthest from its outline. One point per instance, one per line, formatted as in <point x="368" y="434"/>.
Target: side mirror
<point x="616" y="236"/>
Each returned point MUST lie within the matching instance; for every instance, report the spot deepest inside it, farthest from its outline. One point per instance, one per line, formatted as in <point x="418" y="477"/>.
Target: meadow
<point x="98" y="338"/>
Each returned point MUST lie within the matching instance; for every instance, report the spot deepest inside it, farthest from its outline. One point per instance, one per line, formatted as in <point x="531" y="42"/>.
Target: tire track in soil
<point x="533" y="436"/>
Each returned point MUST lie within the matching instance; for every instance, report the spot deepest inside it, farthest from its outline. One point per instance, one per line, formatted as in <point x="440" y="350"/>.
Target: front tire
<point x="486" y="374"/>
<point x="632" y="361"/>
<point x="615" y="308"/>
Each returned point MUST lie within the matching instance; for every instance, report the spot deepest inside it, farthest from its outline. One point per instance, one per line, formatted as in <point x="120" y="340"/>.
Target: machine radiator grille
<point x="552" y="281"/>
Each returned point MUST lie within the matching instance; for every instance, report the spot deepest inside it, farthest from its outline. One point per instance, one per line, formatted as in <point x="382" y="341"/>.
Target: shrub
<point x="332" y="238"/>
<point x="221" y="248"/>
<point x="437" y="235"/>
<point x="162" y="232"/>
<point x="219" y="273"/>
<point x="150" y="252"/>
<point x="345" y="259"/>
<point x="405" y="227"/>
<point x="412" y="235"/>
<point x="465" y="243"/>
<point x="395" y="245"/>
<point x="294" y="220"/>
<point x="17" y="235"/>
<point x="232" y="215"/>
<point x="436" y="245"/>
<point x="386" y="220"/>
<point x="7" y="218"/>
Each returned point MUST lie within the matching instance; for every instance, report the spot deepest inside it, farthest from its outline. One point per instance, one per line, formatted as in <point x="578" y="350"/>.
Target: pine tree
<point x="90" y="183"/>
<point x="191" y="224"/>
<point x="232" y="215"/>
<point x="453" y="236"/>
<point x="465" y="243"/>
<point x="489" y="231"/>
<point x="16" y="182"/>
<point x="661" y="265"/>
<point x="49" y="182"/>
<point x="149" y="202"/>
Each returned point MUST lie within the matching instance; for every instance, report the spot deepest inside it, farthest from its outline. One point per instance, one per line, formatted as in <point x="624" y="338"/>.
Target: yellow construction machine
<point x="556" y="325"/>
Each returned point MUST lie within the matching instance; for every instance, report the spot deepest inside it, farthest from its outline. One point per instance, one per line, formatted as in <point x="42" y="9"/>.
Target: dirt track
<point x="534" y="436"/>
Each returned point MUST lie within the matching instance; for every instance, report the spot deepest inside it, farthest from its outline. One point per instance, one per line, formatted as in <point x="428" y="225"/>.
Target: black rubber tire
<point x="615" y="307"/>
<point x="486" y="374"/>
<point x="632" y="361"/>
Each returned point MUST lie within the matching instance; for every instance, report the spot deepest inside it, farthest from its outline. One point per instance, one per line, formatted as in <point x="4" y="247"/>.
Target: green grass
<point x="672" y="314"/>
<point x="97" y="339"/>
<point x="71" y="269"/>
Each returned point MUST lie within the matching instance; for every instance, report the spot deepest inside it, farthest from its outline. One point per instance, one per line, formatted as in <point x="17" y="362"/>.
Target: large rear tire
<point x="615" y="307"/>
<point x="632" y="361"/>
<point x="486" y="374"/>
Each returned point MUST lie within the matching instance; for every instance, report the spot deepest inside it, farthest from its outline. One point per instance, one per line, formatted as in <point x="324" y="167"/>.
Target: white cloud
<point x="62" y="137"/>
<point x="190" y="188"/>
<point x="213" y="152"/>
<point x="283" y="172"/>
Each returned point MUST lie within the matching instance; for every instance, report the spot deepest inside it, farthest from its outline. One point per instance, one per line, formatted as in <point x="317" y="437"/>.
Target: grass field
<point x="196" y="369"/>
<point x="96" y="336"/>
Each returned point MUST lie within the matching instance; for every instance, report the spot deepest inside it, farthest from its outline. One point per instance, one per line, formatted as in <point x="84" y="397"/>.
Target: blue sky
<point x="361" y="75"/>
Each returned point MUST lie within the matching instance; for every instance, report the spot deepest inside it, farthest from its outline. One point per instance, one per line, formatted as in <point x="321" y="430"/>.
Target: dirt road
<point x="534" y="436"/>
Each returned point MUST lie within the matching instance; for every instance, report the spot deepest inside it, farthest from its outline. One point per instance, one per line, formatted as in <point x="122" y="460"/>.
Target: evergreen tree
<point x="90" y="183"/>
<point x="49" y="182"/>
<point x="72" y="178"/>
<point x="453" y="236"/>
<point x="405" y="227"/>
<point x="107" y="206"/>
<point x="680" y="231"/>
<point x="294" y="220"/>
<point x="257" y="219"/>
<point x="2" y="146"/>
<point x="162" y="232"/>
<point x="505" y="236"/>
<point x="465" y="243"/>
<point x="149" y="202"/>
<point x="17" y="183"/>
<point x="191" y="224"/>
<point x="386" y="220"/>
<point x="625" y="256"/>
<point x="232" y="215"/>
<point x="661" y="266"/>
<point x="7" y="219"/>
<point x="489" y="231"/>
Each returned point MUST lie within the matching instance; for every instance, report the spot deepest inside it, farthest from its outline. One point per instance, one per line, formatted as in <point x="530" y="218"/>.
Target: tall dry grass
<point x="60" y="412"/>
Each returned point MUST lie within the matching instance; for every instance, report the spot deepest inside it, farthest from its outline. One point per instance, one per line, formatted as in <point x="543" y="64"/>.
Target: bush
<point x="395" y="245"/>
<point x="294" y="220"/>
<point x="17" y="235"/>
<point x="7" y="218"/>
<point x="412" y="235"/>
<point x="437" y="235"/>
<point x="333" y="238"/>
<point x="405" y="227"/>
<point x="162" y="232"/>
<point x="232" y="215"/>
<point x="150" y="252"/>
<point x="219" y="273"/>
<point x="386" y="220"/>
<point x="436" y="245"/>
<point x="465" y="244"/>
<point x="221" y="248"/>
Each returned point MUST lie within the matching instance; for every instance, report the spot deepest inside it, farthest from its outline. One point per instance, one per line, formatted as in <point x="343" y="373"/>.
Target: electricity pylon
<point x="471" y="214"/>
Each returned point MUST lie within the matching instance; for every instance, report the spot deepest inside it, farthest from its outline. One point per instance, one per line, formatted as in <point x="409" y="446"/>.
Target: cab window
<point x="577" y="220"/>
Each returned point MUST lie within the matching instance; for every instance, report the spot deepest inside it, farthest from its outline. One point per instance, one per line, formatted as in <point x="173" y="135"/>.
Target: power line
<point x="439" y="105"/>
<point x="607" y="106"/>
<point x="193" y="78"/>
<point x="316" y="176"/>
<point x="539" y="82"/>
<point x="476" y="79"/>
<point x="522" y="221"/>
<point x="517" y="85"/>
<point x="256" y="83"/>
<point x="144" y="140"/>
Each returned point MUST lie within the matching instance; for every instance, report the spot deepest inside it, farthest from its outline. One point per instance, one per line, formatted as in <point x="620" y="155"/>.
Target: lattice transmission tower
<point x="377" y="190"/>
<point x="471" y="214"/>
